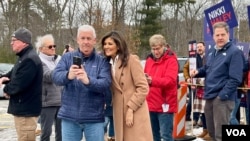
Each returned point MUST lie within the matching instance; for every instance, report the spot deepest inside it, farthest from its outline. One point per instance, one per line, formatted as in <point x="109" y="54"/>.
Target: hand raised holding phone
<point x="78" y="73"/>
<point x="73" y="71"/>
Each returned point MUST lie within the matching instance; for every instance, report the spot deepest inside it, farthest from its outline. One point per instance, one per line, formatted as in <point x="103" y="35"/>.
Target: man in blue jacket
<point x="24" y="85"/>
<point x="223" y="71"/>
<point x="83" y="97"/>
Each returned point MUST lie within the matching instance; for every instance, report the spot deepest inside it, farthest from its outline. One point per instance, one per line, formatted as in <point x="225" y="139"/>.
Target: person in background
<point x="191" y="94"/>
<point x="109" y="123"/>
<point x="189" y="104"/>
<point x="51" y="97"/>
<point x="241" y="97"/>
<point x="24" y="86"/>
<point x="68" y="48"/>
<point x="235" y="114"/>
<point x="129" y="89"/>
<point x="83" y="97"/>
<point x="161" y="70"/>
<point x="221" y="79"/>
<point x="199" y="102"/>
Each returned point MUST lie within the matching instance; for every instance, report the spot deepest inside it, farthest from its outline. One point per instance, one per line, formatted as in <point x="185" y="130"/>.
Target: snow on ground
<point x="196" y="131"/>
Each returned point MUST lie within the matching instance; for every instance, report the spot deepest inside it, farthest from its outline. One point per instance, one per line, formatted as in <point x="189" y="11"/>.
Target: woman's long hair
<point x="121" y="44"/>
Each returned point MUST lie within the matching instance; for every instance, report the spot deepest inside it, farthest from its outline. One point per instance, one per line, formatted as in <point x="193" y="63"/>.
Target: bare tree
<point x="180" y="22"/>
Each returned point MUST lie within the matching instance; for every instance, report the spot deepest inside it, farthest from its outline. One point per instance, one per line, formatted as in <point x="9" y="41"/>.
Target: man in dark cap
<point x="24" y="85"/>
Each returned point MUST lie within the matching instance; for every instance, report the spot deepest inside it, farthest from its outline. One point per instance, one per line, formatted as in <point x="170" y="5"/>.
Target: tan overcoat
<point x="130" y="88"/>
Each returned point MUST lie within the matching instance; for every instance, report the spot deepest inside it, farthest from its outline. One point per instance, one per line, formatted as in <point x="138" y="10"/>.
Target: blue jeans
<point x="233" y="119"/>
<point x="72" y="131"/>
<point x="162" y="126"/>
<point x="109" y="126"/>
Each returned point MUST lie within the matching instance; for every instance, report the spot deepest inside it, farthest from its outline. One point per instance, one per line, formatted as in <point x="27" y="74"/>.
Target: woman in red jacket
<point x="161" y="69"/>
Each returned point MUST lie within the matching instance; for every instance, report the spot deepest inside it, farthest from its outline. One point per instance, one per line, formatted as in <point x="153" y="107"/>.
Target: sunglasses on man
<point x="51" y="46"/>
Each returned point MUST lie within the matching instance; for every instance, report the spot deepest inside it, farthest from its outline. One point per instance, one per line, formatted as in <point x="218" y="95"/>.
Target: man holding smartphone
<point x="83" y="97"/>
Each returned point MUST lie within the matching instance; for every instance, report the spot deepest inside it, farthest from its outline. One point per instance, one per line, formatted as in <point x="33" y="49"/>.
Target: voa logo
<point x="236" y="132"/>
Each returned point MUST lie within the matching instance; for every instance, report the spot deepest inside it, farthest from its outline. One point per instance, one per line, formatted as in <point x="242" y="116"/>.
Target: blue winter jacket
<point x="223" y="72"/>
<point x="83" y="103"/>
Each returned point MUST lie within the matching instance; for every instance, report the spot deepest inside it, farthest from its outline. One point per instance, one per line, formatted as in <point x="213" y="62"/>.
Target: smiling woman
<point x="129" y="88"/>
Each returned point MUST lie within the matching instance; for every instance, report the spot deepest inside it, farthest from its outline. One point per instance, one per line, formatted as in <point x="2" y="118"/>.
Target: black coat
<point x="25" y="85"/>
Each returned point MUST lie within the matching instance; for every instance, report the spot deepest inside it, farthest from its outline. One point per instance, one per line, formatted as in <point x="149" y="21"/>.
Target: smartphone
<point x="77" y="61"/>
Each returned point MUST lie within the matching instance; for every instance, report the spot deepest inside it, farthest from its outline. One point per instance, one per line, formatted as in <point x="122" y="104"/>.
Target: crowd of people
<point x="87" y="94"/>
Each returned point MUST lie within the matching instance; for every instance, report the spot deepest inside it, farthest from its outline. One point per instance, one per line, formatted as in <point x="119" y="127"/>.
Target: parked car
<point x="181" y="61"/>
<point x="4" y="68"/>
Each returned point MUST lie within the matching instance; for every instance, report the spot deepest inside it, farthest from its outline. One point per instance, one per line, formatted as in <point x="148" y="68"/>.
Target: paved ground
<point x="8" y="133"/>
<point x="7" y="129"/>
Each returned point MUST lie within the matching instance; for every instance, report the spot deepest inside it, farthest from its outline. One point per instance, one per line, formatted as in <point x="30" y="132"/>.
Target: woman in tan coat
<point x="130" y="88"/>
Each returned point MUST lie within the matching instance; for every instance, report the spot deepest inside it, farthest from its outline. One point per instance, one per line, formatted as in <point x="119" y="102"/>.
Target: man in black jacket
<point x="24" y="86"/>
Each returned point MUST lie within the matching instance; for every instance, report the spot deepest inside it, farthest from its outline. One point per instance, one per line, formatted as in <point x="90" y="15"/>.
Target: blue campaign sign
<point x="244" y="47"/>
<point x="222" y="11"/>
<point x="209" y="45"/>
<point x="206" y="31"/>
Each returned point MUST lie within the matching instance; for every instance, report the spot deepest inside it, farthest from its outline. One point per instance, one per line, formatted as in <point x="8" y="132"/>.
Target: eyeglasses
<point x="156" y="48"/>
<point x="51" y="46"/>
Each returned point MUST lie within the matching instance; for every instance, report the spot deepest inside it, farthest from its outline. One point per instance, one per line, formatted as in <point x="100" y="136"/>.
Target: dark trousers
<point x="48" y="117"/>
<point x="189" y="106"/>
<point x="217" y="113"/>
<point x="203" y="120"/>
